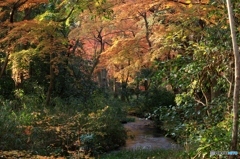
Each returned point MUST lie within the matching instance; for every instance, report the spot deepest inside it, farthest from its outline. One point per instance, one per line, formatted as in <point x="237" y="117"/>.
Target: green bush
<point x="199" y="129"/>
<point x="15" y="121"/>
<point x="155" y="97"/>
<point x="103" y="131"/>
<point x="70" y="125"/>
<point x="201" y="141"/>
<point x="152" y="99"/>
<point x="143" y="154"/>
<point x="11" y="136"/>
<point x="7" y="86"/>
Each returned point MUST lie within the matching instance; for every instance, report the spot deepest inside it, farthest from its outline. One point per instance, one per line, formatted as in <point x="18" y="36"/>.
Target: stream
<point x="143" y="135"/>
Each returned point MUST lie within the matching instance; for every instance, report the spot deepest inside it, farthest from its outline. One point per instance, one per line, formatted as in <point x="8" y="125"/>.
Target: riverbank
<point x="144" y="141"/>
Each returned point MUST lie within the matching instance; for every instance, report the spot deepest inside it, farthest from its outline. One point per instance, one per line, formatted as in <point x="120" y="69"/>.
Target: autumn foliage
<point x="76" y="57"/>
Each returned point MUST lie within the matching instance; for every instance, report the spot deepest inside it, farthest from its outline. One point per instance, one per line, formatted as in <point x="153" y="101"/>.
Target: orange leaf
<point x="28" y="130"/>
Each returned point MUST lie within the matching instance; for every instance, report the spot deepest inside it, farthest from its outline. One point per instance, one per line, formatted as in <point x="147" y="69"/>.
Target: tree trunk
<point x="137" y="90"/>
<point x="237" y="80"/>
<point x="124" y="93"/>
<point x="50" y="88"/>
<point x="116" y="88"/>
<point x="3" y="68"/>
<point x="103" y="80"/>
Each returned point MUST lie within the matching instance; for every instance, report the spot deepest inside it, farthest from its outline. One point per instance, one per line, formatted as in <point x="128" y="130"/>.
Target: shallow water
<point x="143" y="135"/>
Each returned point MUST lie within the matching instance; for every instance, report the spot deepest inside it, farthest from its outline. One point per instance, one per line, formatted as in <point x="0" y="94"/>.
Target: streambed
<point x="143" y="135"/>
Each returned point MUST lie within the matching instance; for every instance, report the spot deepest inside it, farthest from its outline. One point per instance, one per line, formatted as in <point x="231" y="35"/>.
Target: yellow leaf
<point x="185" y="1"/>
<point x="57" y="129"/>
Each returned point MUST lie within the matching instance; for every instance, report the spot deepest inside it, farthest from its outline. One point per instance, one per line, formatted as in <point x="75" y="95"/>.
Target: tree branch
<point x="14" y="9"/>
<point x="64" y="19"/>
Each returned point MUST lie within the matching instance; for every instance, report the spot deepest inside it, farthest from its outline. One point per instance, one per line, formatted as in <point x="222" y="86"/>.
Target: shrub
<point x="7" y="86"/>
<point x="199" y="131"/>
<point x="201" y="141"/>
<point x="67" y="126"/>
<point x="106" y="131"/>
<point x="159" y="97"/>
<point x="143" y="154"/>
<point x="11" y="136"/>
<point x="154" y="98"/>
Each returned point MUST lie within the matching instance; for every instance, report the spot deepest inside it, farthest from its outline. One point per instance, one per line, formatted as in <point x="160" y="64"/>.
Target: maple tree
<point x="130" y="44"/>
<point x="95" y="34"/>
<point x="123" y="46"/>
<point x="11" y="14"/>
<point x="21" y="49"/>
<point x="141" y="29"/>
<point x="92" y="36"/>
<point x="45" y="26"/>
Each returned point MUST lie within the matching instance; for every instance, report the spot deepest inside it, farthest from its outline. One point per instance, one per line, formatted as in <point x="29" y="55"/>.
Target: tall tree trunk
<point x="50" y="88"/>
<point x="137" y="90"/>
<point x="103" y="80"/>
<point x="123" y="91"/>
<point x="116" y="88"/>
<point x="237" y="80"/>
<point x="3" y="68"/>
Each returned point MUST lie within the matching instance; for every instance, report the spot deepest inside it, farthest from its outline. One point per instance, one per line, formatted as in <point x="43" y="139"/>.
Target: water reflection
<point x="143" y="135"/>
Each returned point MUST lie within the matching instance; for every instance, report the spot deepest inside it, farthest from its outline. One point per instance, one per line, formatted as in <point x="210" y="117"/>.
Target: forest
<point x="72" y="72"/>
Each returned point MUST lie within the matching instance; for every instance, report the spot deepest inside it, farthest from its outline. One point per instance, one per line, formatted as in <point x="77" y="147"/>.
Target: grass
<point x="128" y="119"/>
<point x="143" y="154"/>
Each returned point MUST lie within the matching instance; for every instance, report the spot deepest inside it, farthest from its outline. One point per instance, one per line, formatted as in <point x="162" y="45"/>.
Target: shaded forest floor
<point x="75" y="130"/>
<point x="141" y="136"/>
<point x="16" y="154"/>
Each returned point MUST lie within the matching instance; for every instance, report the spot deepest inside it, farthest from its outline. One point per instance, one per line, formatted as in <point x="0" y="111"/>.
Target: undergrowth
<point x="65" y="129"/>
<point x="143" y="154"/>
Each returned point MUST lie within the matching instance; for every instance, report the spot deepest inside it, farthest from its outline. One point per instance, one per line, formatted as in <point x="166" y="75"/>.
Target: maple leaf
<point x="28" y="130"/>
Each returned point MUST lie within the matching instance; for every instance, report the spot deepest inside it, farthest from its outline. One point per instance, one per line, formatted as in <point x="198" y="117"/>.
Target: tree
<point x="237" y="79"/>
<point x="195" y="59"/>
<point x="130" y="48"/>
<point x="38" y="28"/>
<point x="12" y="14"/>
